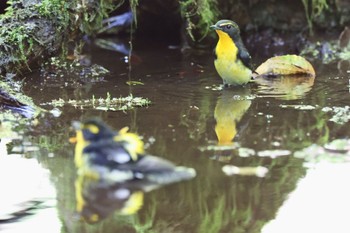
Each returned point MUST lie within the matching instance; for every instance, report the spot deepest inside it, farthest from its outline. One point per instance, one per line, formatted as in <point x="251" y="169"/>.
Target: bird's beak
<point x="76" y="125"/>
<point x="214" y="27"/>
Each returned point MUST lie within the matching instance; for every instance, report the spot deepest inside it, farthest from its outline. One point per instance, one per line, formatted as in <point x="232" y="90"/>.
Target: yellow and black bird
<point x="233" y="62"/>
<point x="101" y="153"/>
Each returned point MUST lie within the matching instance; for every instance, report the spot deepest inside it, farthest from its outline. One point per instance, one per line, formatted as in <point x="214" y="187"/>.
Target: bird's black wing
<point x="150" y="163"/>
<point x="107" y="153"/>
<point x="245" y="57"/>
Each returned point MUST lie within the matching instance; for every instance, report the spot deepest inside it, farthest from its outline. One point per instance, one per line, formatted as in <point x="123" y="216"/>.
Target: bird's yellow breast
<point x="79" y="147"/>
<point x="230" y="69"/>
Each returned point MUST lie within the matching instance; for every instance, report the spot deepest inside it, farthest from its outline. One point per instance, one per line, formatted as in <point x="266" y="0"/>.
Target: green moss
<point x="18" y="37"/>
<point x="199" y="15"/>
<point x="21" y="25"/>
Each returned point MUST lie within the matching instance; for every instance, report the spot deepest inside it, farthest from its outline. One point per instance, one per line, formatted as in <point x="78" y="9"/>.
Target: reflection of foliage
<point x="213" y="221"/>
<point x="58" y="67"/>
<point x="241" y="207"/>
<point x="195" y="118"/>
<point x="230" y="203"/>
<point x="303" y="129"/>
<point x="311" y="128"/>
<point x="297" y="129"/>
<point x="147" y="223"/>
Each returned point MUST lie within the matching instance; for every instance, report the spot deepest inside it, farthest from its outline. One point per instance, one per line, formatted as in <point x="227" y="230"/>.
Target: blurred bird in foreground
<point x="102" y="153"/>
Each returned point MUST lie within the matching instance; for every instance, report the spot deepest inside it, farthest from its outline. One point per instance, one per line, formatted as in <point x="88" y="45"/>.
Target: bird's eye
<point x="228" y="26"/>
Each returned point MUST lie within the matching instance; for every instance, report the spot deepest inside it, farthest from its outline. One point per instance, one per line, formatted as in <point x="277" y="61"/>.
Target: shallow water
<point x="194" y="122"/>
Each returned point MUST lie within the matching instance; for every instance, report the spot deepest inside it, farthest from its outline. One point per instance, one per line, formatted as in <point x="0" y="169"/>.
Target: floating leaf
<point x="258" y="171"/>
<point x="286" y="65"/>
<point x="107" y="104"/>
<point x="299" y="106"/>
<point x="132" y="83"/>
<point x="273" y="153"/>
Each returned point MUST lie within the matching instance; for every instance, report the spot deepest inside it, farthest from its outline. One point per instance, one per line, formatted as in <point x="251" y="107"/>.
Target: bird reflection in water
<point x="97" y="199"/>
<point x="229" y="110"/>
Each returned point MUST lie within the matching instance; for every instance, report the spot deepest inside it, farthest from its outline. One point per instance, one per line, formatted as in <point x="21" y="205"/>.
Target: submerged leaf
<point x="286" y="65"/>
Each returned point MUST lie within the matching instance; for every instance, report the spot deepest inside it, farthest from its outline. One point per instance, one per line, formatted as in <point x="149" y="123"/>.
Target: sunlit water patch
<point x="28" y="198"/>
<point x="318" y="204"/>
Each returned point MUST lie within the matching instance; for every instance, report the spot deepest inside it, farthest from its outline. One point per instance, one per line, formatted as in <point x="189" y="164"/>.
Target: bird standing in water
<point x="233" y="62"/>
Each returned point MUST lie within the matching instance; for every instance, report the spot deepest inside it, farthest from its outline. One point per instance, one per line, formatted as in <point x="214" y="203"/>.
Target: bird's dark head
<point x="94" y="130"/>
<point x="226" y="26"/>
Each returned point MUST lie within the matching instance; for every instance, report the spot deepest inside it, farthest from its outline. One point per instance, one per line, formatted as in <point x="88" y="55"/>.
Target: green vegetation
<point x="133" y="5"/>
<point x="313" y="8"/>
<point x="29" y="29"/>
<point x="199" y="15"/>
<point x="105" y="104"/>
<point x="18" y="37"/>
<point x="21" y="39"/>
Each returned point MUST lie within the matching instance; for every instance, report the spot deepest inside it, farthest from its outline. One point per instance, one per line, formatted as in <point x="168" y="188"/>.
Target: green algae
<point x="105" y="104"/>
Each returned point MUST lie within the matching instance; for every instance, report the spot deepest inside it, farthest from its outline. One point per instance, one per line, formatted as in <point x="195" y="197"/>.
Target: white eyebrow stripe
<point x="224" y="24"/>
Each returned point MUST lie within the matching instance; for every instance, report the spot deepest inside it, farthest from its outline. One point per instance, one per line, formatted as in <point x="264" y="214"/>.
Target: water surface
<point x="194" y="122"/>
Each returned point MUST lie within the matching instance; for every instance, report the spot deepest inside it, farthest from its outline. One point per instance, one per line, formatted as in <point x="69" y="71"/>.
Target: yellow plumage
<point x="80" y="145"/>
<point x="232" y="58"/>
<point x="133" y="144"/>
<point x="230" y="69"/>
<point x="229" y="111"/>
<point x="104" y="154"/>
